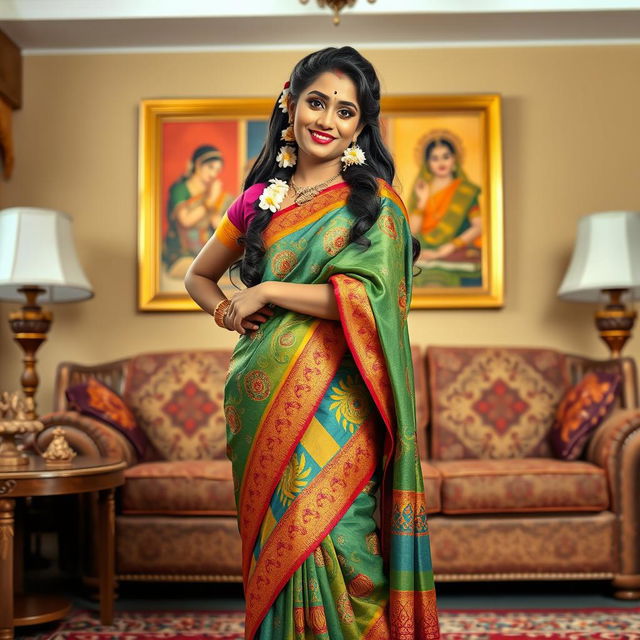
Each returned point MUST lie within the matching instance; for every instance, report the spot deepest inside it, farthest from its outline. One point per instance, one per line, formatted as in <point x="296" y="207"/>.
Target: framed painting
<point x="195" y="154"/>
<point x="448" y="156"/>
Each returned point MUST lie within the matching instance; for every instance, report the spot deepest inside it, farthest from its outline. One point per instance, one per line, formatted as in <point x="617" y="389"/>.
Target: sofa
<point x="501" y="506"/>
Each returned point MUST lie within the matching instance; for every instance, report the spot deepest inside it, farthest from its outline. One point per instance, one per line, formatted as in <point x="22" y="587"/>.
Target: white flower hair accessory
<point x="287" y="157"/>
<point x="283" y="102"/>
<point x="288" y="135"/>
<point x="273" y="194"/>
<point x="353" y="155"/>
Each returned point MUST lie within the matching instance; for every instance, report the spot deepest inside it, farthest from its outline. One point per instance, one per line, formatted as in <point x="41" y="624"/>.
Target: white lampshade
<point x="36" y="248"/>
<point x="606" y="256"/>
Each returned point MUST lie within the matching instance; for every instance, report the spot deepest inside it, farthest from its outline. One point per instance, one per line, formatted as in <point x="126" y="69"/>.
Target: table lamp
<point x="606" y="260"/>
<point x="37" y="258"/>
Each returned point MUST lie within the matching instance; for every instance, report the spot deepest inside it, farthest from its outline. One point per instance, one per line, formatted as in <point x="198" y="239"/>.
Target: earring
<point x="287" y="134"/>
<point x="352" y="155"/>
<point x="286" y="157"/>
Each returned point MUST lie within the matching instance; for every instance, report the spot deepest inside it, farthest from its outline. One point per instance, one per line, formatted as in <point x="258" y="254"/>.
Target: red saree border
<point x="340" y="480"/>
<point x="294" y="205"/>
<point x="414" y="615"/>
<point x="282" y="428"/>
<point x="295" y="217"/>
<point x="379" y="629"/>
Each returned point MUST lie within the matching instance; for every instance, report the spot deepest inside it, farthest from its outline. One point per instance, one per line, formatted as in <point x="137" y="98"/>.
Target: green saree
<point x="320" y="418"/>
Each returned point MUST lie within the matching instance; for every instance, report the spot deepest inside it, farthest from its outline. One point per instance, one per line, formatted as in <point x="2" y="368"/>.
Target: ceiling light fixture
<point x="336" y="6"/>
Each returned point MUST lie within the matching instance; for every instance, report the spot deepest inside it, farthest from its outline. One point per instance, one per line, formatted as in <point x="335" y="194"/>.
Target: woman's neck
<point x="308" y="173"/>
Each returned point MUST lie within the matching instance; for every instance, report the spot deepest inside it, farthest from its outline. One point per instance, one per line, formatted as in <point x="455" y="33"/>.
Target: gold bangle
<point x="221" y="311"/>
<point x="459" y="242"/>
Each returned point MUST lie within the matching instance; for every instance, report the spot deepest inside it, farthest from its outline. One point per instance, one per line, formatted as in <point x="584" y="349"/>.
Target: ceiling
<point x="83" y="26"/>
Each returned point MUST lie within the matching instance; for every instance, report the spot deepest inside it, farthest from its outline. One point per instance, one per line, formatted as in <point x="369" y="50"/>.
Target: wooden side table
<point x="83" y="474"/>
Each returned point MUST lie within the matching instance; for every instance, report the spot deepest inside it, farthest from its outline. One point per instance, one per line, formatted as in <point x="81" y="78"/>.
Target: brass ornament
<point x="59" y="451"/>
<point x="15" y="412"/>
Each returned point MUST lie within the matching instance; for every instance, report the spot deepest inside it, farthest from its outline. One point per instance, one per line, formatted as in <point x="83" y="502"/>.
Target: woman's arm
<point x="201" y="282"/>
<point x="313" y="299"/>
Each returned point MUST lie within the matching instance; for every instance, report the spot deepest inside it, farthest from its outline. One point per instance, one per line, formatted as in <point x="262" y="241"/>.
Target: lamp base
<point x="615" y="322"/>
<point x="30" y="326"/>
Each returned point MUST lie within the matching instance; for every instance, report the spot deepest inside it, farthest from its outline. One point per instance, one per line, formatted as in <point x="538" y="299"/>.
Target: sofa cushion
<point x="198" y="487"/>
<point x="177" y="399"/>
<point x="527" y="484"/>
<point x="97" y="400"/>
<point x="583" y="408"/>
<point x="432" y="486"/>
<point x="493" y="402"/>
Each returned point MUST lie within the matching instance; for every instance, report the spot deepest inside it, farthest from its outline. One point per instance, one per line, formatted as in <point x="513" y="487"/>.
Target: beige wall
<point x="571" y="140"/>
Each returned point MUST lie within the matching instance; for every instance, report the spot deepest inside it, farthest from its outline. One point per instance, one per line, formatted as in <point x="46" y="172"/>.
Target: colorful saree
<point x="320" y="415"/>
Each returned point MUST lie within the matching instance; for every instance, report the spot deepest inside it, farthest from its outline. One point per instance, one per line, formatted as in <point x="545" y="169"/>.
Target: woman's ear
<point x="359" y="130"/>
<point x="291" y="108"/>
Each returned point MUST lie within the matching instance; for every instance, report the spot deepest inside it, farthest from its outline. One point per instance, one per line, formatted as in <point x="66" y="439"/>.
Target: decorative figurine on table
<point x="59" y="450"/>
<point x="14" y="410"/>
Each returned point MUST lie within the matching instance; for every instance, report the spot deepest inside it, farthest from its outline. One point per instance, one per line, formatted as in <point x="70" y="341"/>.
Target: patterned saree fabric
<point x="321" y="432"/>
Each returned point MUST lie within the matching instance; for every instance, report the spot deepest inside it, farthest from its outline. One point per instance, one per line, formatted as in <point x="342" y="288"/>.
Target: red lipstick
<point x="321" y="138"/>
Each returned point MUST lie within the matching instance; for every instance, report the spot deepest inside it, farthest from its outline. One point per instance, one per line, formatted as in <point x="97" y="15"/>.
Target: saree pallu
<point x="320" y="415"/>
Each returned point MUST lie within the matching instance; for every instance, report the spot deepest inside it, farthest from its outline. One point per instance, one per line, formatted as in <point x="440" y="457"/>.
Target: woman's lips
<point x="321" y="138"/>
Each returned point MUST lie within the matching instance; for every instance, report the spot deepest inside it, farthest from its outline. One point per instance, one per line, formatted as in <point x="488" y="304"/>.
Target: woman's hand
<point x="247" y="308"/>
<point x="441" y="252"/>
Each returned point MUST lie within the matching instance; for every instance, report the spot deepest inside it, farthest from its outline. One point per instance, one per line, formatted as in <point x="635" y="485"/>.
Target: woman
<point x="196" y="203"/>
<point x="319" y="396"/>
<point x="445" y="216"/>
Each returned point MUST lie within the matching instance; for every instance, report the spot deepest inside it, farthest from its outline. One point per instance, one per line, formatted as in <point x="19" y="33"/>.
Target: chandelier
<point x="336" y="6"/>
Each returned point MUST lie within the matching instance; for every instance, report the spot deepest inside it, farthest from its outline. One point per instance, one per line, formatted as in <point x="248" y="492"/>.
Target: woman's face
<point x="326" y="117"/>
<point x="209" y="171"/>
<point x="441" y="161"/>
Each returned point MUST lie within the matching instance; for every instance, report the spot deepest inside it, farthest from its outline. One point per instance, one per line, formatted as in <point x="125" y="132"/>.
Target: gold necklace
<point x="304" y="194"/>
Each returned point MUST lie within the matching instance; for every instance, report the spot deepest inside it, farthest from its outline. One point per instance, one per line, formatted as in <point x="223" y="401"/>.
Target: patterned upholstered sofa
<point x="501" y="507"/>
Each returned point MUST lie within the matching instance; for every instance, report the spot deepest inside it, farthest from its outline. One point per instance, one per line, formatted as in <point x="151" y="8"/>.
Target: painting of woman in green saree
<point x="204" y="164"/>
<point x="445" y="217"/>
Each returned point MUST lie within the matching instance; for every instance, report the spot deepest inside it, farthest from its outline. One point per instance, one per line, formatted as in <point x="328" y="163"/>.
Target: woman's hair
<point x="363" y="199"/>
<point x="439" y="142"/>
<point x="204" y="153"/>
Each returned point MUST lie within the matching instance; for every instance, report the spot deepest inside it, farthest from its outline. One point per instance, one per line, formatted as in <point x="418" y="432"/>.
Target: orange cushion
<point x="432" y="486"/>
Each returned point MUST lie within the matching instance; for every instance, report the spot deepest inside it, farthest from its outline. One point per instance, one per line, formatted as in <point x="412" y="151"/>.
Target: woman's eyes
<point x="314" y="103"/>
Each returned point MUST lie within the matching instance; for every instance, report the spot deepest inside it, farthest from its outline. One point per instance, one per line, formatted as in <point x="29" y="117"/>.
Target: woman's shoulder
<point x="241" y="211"/>
<point x="385" y="190"/>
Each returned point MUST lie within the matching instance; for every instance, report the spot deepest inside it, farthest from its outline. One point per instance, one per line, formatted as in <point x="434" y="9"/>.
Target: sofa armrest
<point x="86" y="435"/>
<point x="616" y="448"/>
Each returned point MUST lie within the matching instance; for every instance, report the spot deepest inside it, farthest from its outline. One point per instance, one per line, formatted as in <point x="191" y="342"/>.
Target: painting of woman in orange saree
<point x="445" y="217"/>
<point x="447" y="153"/>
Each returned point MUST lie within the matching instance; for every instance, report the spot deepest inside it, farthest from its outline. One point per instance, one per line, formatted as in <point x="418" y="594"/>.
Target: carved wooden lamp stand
<point x="606" y="261"/>
<point x="39" y="260"/>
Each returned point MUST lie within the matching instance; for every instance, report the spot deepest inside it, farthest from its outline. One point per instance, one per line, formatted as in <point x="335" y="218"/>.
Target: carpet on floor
<point x="547" y="624"/>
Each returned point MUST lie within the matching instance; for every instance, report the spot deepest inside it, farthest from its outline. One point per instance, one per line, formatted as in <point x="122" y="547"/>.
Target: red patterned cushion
<point x="581" y="410"/>
<point x="99" y="401"/>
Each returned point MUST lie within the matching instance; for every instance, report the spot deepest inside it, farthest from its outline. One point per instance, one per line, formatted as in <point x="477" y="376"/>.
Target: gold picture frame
<point x="461" y="135"/>
<point x="174" y="131"/>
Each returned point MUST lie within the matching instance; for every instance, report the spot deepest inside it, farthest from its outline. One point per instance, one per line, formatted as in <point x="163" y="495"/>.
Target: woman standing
<point x="319" y="398"/>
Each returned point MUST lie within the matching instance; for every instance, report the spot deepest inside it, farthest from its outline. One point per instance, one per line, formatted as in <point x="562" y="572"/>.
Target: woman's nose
<point x="325" y="119"/>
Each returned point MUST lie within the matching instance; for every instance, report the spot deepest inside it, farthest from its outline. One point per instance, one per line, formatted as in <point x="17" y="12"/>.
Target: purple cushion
<point x="583" y="407"/>
<point x="95" y="399"/>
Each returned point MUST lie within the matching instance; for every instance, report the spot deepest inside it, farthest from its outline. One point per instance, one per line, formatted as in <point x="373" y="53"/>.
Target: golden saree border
<point x="414" y="615"/>
<point x="387" y="191"/>
<point x="309" y="519"/>
<point x="361" y="333"/>
<point x="282" y="427"/>
<point x="295" y="217"/>
<point x="409" y="513"/>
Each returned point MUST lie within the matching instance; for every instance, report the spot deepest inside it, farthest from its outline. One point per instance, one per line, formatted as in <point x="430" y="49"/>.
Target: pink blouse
<point x="235" y="221"/>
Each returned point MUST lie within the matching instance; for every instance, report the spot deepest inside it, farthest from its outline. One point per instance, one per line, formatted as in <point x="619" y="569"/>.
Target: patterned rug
<point x="573" y="624"/>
